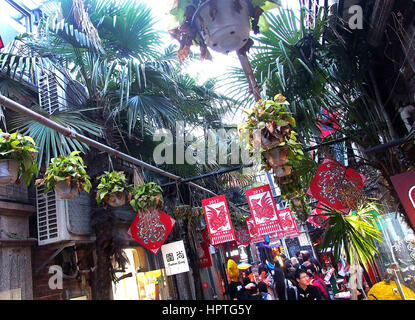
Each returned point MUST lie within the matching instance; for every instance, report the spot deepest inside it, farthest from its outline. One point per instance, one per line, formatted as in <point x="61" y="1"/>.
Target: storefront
<point x="144" y="277"/>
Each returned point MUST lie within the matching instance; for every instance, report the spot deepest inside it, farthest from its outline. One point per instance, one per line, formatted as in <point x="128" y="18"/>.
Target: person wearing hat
<point x="237" y="290"/>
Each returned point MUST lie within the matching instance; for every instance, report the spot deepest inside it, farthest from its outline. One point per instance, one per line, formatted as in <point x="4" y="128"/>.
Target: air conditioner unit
<point x="51" y="88"/>
<point x="63" y="220"/>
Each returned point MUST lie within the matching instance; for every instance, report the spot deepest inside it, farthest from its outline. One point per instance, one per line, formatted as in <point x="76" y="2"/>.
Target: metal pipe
<point x="210" y="174"/>
<point x="12" y="105"/>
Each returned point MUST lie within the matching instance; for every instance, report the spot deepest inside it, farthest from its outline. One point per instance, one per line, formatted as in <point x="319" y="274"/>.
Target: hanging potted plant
<point x="222" y="25"/>
<point x="269" y="125"/>
<point x="147" y="197"/>
<point x="113" y="189"/>
<point x="17" y="154"/>
<point x="67" y="176"/>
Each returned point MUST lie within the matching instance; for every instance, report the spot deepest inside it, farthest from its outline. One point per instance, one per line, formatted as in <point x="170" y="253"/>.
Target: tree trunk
<point x="192" y="261"/>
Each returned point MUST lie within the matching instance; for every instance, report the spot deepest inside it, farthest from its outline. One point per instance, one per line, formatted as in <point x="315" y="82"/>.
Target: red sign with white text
<point x="151" y="229"/>
<point x="263" y="209"/>
<point x="288" y="224"/>
<point x="218" y="220"/>
<point x="404" y="184"/>
<point x="336" y="185"/>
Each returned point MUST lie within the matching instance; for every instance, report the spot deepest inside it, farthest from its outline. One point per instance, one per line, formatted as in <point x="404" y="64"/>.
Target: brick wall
<point x="71" y="288"/>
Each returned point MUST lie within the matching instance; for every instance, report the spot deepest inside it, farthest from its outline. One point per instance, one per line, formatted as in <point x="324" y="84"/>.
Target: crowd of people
<point x="298" y="278"/>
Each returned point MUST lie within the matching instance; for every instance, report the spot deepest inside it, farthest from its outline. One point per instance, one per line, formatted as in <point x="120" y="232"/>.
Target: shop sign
<point x="218" y="220"/>
<point x="404" y="184"/>
<point x="174" y="257"/>
<point x="288" y="224"/>
<point x="151" y="229"/>
<point x="337" y="186"/>
<point x="263" y="209"/>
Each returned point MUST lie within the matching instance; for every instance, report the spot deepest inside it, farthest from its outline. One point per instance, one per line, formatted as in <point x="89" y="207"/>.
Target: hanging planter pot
<point x="9" y="171"/>
<point x="224" y="24"/>
<point x="117" y="199"/>
<point x="277" y="157"/>
<point x="66" y="191"/>
<point x="66" y="175"/>
<point x="282" y="171"/>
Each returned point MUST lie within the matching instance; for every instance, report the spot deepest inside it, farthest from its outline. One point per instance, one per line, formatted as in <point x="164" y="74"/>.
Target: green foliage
<point x="52" y="143"/>
<point x="147" y="197"/>
<point x="237" y="219"/>
<point x="272" y="119"/>
<point x="70" y="169"/>
<point x="111" y="182"/>
<point x="353" y="234"/>
<point x="21" y="148"/>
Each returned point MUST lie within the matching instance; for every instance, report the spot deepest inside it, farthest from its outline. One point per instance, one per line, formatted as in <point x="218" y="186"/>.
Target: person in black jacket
<point x="306" y="291"/>
<point x="279" y="281"/>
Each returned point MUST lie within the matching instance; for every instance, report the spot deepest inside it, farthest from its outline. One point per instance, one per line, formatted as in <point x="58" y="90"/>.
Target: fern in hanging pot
<point x="147" y="197"/>
<point x="67" y="176"/>
<point x="17" y="154"/>
<point x="113" y="189"/>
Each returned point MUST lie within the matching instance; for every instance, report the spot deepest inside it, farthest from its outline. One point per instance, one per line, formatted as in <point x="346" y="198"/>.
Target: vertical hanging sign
<point x="253" y="233"/>
<point x="288" y="224"/>
<point x="263" y="209"/>
<point x="218" y="220"/>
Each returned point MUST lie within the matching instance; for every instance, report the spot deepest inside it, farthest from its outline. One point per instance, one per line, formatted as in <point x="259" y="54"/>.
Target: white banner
<point x="174" y="257"/>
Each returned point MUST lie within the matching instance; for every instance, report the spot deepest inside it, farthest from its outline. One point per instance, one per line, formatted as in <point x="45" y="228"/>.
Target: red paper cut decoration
<point x="288" y="224"/>
<point x="203" y="254"/>
<point x="336" y="186"/>
<point x="263" y="209"/>
<point x="151" y="229"/>
<point x="242" y="236"/>
<point x="253" y="233"/>
<point x="316" y="217"/>
<point x="218" y="220"/>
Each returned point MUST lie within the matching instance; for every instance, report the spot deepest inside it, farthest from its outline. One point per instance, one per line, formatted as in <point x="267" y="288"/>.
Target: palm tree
<point x="122" y="86"/>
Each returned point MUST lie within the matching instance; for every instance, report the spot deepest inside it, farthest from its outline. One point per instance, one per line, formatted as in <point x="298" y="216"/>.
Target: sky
<point x="201" y="70"/>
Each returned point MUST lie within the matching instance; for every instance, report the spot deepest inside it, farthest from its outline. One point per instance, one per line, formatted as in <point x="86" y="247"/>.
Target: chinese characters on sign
<point x="263" y="209"/>
<point x="218" y="220"/>
<point x="174" y="257"/>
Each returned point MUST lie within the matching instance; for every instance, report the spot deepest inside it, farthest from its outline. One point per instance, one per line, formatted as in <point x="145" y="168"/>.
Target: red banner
<point x="151" y="229"/>
<point x="253" y="233"/>
<point x="263" y="209"/>
<point x="336" y="185"/>
<point x="404" y="184"/>
<point x="316" y="217"/>
<point x="288" y="224"/>
<point x="204" y="257"/>
<point x="218" y="220"/>
<point x="242" y="236"/>
<point x="1" y="43"/>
